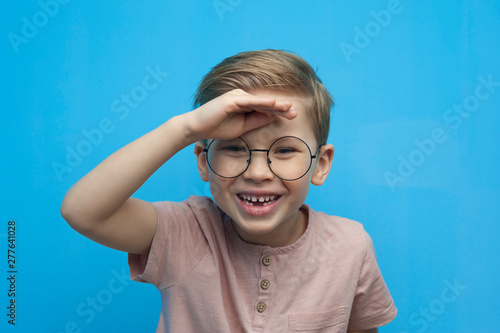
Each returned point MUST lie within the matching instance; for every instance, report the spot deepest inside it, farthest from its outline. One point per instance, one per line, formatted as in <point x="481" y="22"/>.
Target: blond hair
<point x="270" y="69"/>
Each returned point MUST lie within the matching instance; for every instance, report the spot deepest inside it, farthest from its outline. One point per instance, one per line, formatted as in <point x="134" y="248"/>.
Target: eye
<point x="285" y="150"/>
<point x="234" y="148"/>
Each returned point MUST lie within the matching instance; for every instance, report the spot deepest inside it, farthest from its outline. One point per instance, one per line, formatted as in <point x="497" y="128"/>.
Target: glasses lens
<point x="228" y="158"/>
<point x="290" y="158"/>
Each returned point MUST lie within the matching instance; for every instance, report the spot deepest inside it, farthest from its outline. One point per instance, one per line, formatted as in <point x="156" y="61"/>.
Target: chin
<point x="257" y="227"/>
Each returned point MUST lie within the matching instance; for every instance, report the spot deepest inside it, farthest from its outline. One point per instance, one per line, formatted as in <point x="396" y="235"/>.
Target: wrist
<point x="187" y="124"/>
<point x="183" y="127"/>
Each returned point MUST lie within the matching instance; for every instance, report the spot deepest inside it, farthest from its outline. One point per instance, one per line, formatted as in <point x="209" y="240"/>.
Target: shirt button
<point x="261" y="307"/>
<point x="266" y="261"/>
<point x="264" y="284"/>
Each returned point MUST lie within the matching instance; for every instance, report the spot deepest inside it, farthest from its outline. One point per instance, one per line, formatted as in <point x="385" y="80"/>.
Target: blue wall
<point x="417" y="87"/>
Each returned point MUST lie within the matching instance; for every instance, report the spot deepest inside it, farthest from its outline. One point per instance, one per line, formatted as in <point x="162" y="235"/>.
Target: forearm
<point x="99" y="194"/>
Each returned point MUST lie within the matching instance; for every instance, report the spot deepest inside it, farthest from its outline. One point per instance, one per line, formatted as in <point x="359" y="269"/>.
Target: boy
<point x="256" y="258"/>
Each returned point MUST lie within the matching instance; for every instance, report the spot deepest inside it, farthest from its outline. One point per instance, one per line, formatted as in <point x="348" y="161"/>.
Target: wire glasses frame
<point x="269" y="161"/>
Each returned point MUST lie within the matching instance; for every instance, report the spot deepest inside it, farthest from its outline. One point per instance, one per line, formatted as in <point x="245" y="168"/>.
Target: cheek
<point x="300" y="189"/>
<point x="218" y="186"/>
<point x="215" y="188"/>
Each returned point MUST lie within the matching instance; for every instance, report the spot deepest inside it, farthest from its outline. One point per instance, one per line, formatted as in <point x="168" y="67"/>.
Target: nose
<point x="258" y="170"/>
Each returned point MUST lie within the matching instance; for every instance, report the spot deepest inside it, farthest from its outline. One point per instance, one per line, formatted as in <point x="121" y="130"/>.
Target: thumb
<point x="255" y="120"/>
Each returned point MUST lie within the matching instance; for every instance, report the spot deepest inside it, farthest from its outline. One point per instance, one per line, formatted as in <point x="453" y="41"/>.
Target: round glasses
<point x="289" y="157"/>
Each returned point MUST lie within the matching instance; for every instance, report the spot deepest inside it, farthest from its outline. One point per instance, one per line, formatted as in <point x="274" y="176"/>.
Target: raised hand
<point x="235" y="113"/>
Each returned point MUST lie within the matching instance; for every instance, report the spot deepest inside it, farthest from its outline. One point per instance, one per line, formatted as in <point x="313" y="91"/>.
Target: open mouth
<point x="258" y="200"/>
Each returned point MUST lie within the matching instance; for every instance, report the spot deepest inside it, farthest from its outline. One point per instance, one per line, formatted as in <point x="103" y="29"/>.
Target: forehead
<point x="301" y="126"/>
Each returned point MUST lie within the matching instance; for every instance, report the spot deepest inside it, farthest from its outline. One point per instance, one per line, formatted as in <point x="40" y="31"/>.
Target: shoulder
<point x="337" y="225"/>
<point x="339" y="233"/>
<point x="194" y="205"/>
<point x="193" y="215"/>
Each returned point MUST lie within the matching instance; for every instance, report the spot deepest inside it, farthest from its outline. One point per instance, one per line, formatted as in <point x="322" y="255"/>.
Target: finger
<point x="267" y="105"/>
<point x="284" y="109"/>
<point x="288" y="114"/>
<point x="250" y="102"/>
<point x="281" y="109"/>
<point x="255" y="120"/>
<point x="246" y="100"/>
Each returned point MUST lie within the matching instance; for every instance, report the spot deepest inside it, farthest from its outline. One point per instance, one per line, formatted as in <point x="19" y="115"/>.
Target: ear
<point x="201" y="160"/>
<point x="323" y="164"/>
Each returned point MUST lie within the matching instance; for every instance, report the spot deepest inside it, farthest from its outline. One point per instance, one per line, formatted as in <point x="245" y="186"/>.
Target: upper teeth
<point x="260" y="199"/>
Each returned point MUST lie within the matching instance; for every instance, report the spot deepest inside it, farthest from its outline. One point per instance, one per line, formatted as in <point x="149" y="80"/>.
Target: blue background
<point x="395" y="81"/>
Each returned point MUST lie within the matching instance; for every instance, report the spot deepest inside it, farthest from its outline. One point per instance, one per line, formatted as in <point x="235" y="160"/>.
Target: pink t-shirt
<point x="212" y="281"/>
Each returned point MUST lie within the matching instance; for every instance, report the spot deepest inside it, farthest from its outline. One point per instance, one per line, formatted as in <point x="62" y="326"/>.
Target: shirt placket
<point x="263" y="300"/>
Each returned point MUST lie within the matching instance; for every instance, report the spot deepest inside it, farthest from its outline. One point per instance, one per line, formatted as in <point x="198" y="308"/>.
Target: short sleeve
<point x="178" y="245"/>
<point x="373" y="305"/>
